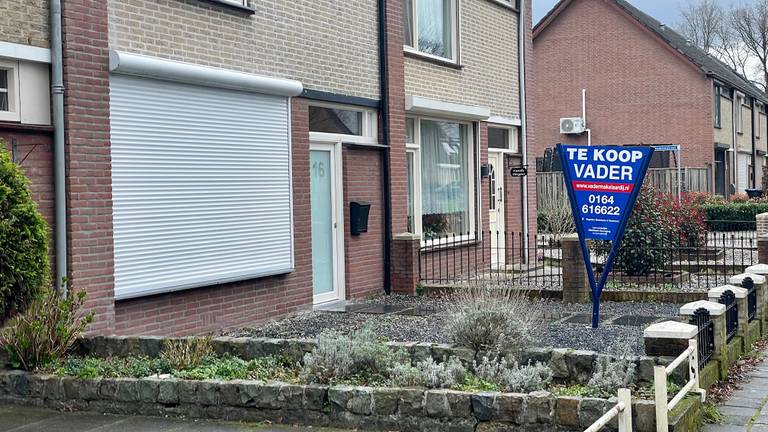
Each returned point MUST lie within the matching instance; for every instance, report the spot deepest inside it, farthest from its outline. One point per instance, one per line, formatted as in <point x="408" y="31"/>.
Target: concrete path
<point x="23" y="419"/>
<point x="747" y="409"/>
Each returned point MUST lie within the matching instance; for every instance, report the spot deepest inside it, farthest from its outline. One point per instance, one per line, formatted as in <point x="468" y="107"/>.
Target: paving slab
<point x="382" y="309"/>
<point x="635" y="320"/>
<point x="25" y="419"/>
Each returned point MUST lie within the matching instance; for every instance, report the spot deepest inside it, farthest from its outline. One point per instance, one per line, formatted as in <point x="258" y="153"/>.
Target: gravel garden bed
<point x="399" y="324"/>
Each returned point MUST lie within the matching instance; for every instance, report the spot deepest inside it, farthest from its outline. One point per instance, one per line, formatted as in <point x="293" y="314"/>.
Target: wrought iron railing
<point x="731" y="313"/>
<point x="706" y="335"/>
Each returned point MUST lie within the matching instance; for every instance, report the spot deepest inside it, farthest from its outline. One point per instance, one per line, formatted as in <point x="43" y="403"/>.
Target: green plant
<point x="46" y="331"/>
<point x="493" y="319"/>
<point x="225" y="368"/>
<point x="513" y="377"/>
<point x="472" y="383"/>
<point x="575" y="390"/>
<point x="24" y="267"/>
<point x="113" y="367"/>
<point x="712" y="414"/>
<point x="614" y="371"/>
<point x="733" y="216"/>
<point x="359" y="355"/>
<point x="188" y="353"/>
<point x="428" y="373"/>
<point x="649" y="239"/>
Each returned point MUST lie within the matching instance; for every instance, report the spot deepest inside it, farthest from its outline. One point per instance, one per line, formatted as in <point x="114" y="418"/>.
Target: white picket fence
<point x="660" y="374"/>
<point x="622" y="410"/>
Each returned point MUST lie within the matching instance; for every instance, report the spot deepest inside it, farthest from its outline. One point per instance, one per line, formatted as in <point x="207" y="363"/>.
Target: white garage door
<point x="743" y="173"/>
<point x="201" y="185"/>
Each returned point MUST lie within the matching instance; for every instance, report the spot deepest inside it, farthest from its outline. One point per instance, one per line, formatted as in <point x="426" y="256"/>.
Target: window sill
<point x="245" y="10"/>
<point x="432" y="59"/>
<point x="505" y="4"/>
<point x="25" y="127"/>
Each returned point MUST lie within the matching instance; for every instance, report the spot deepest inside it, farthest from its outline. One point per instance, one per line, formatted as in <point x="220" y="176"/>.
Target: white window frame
<point x="513" y="144"/>
<point x="739" y="117"/>
<point x="455" y="32"/>
<point x="370" y="132"/>
<point x="472" y="170"/>
<point x="13" y="113"/>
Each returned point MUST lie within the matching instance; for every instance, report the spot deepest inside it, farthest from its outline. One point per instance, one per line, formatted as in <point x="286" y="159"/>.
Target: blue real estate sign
<point x="602" y="184"/>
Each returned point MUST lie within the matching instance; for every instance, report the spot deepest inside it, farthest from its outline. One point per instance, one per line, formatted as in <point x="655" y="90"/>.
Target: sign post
<point x="602" y="183"/>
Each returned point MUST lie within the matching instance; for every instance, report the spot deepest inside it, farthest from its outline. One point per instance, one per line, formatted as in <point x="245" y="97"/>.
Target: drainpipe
<point x="752" y="107"/>
<point x="523" y="115"/>
<point x="57" y="102"/>
<point x="383" y="108"/>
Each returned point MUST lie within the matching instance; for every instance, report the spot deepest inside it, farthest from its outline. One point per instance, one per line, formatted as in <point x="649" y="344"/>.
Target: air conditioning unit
<point x="571" y="125"/>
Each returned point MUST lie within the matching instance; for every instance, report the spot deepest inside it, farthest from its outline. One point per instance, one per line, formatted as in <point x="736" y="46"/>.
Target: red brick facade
<point x="89" y="183"/>
<point x="639" y="90"/>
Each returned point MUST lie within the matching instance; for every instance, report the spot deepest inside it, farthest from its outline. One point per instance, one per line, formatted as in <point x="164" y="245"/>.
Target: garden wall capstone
<point x="366" y="408"/>
<point x="568" y="365"/>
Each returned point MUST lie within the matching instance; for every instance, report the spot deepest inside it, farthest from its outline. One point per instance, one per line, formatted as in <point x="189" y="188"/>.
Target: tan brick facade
<point x="25" y="22"/>
<point x="326" y="44"/>
<point x="488" y="54"/>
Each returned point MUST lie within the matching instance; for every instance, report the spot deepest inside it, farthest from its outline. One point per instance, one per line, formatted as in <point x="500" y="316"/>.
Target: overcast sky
<point x="666" y="11"/>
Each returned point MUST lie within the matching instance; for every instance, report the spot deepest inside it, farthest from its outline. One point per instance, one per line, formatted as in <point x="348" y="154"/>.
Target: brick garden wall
<point x="639" y="90"/>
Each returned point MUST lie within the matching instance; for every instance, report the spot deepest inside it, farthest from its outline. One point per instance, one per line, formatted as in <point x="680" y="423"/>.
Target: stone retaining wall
<point x="568" y="365"/>
<point x="366" y="408"/>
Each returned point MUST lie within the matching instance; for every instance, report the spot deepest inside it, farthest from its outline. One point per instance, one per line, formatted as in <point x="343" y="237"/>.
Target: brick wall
<point x="32" y="151"/>
<point x="328" y="45"/>
<point x="638" y="89"/>
<point x="232" y="305"/>
<point x="25" y="22"/>
<point x="532" y="121"/>
<point x="364" y="253"/>
<point x="488" y="54"/>
<point x="89" y="183"/>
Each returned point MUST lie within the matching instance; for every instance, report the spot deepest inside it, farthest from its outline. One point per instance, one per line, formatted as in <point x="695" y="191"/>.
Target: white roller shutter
<point x="743" y="172"/>
<point x="201" y="183"/>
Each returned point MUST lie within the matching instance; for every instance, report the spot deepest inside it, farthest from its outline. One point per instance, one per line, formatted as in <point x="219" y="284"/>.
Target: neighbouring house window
<point x="717" y="114"/>
<point x="441" y="179"/>
<point x="739" y="126"/>
<point x="9" y="91"/>
<point x="431" y="27"/>
<point x="503" y="138"/>
<point x="410" y="157"/>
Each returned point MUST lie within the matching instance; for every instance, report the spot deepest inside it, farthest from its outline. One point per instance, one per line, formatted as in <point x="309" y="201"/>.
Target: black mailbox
<point x="358" y="217"/>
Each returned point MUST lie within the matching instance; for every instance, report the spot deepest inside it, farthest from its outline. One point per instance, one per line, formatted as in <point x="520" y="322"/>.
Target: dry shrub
<point x="493" y="319"/>
<point x="188" y="353"/>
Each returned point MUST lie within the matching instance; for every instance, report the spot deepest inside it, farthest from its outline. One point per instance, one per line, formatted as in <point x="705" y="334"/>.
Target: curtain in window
<point x="435" y="27"/>
<point x="444" y="179"/>
<point x="408" y="21"/>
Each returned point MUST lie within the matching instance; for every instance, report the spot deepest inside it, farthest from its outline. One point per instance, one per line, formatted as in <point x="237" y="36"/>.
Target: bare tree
<point x="732" y="51"/>
<point x="702" y="21"/>
<point x="751" y="24"/>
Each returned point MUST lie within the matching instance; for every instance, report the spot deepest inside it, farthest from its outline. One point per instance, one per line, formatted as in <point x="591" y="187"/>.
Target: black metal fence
<point x="536" y="261"/>
<point x="731" y="314"/>
<point x="705" y="337"/>
<point x="749" y="285"/>
<point x="455" y="259"/>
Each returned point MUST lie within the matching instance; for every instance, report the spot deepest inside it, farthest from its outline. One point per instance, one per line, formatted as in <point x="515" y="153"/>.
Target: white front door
<point x="496" y="207"/>
<point x="327" y="223"/>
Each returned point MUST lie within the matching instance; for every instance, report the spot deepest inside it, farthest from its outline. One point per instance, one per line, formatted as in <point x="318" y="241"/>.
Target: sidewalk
<point x="23" y="419"/>
<point x="746" y="410"/>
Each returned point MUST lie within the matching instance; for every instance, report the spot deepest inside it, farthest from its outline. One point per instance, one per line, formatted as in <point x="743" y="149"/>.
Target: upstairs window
<point x="431" y="27"/>
<point x="9" y="91"/>
<point x="717" y="114"/>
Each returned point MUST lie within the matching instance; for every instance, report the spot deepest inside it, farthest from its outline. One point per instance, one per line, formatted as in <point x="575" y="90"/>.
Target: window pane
<point x="4" y="90"/>
<point x="435" y="24"/>
<point x="498" y="138"/>
<point x="444" y="179"/>
<point x="410" y="179"/>
<point x="408" y="22"/>
<point x="338" y="121"/>
<point x="409" y="127"/>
